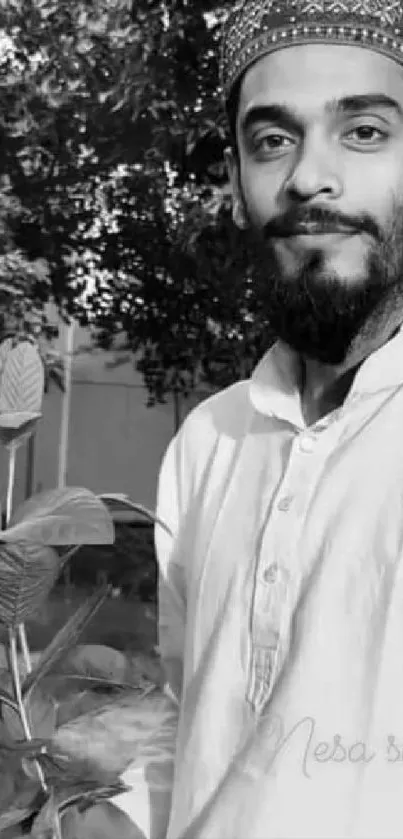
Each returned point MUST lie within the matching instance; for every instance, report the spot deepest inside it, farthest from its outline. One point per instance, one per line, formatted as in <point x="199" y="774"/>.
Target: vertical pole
<point x="30" y="469"/>
<point x="66" y="405"/>
<point x="64" y="433"/>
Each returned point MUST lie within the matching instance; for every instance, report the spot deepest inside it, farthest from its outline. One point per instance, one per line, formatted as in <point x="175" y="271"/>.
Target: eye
<point x="367" y="134"/>
<point x="270" y="143"/>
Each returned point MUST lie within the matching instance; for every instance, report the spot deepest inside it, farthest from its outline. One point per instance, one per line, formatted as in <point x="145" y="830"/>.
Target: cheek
<point x="260" y="192"/>
<point x="375" y="187"/>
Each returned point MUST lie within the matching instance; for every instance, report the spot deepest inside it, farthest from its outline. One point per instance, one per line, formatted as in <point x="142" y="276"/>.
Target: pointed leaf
<point x="69" y="516"/>
<point x="65" y="638"/>
<point x="5" y="347"/>
<point x="27" y="574"/>
<point x="23" y="379"/>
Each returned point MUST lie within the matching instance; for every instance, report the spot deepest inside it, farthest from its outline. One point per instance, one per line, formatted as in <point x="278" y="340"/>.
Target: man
<point x="281" y="591"/>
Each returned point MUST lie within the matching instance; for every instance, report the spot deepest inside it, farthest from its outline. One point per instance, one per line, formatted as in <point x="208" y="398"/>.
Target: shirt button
<point x="307" y="444"/>
<point x="285" y="503"/>
<point x="271" y="573"/>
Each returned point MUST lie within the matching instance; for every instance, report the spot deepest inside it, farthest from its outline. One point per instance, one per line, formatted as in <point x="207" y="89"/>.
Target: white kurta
<point x="281" y="613"/>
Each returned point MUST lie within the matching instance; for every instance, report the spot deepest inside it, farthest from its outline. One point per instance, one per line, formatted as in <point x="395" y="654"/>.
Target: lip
<point x="311" y="230"/>
<point x="311" y="239"/>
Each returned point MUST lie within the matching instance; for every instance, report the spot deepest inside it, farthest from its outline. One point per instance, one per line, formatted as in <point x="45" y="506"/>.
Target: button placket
<point x="272" y="608"/>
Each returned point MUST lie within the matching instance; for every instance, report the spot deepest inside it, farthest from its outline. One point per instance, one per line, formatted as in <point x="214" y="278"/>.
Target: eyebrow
<point x="348" y="105"/>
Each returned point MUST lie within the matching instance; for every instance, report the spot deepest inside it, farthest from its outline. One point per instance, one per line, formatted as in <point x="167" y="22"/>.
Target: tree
<point x="182" y="290"/>
<point x="20" y="276"/>
<point x="113" y="140"/>
<point x="60" y="64"/>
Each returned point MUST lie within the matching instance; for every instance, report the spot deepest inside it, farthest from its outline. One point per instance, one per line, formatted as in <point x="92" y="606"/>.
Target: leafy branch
<point x="41" y="783"/>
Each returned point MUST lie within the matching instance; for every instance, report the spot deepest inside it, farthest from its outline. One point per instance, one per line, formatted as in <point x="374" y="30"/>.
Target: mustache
<point x="324" y="220"/>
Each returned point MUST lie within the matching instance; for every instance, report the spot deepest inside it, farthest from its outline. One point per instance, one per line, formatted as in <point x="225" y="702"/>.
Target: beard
<point x="316" y="312"/>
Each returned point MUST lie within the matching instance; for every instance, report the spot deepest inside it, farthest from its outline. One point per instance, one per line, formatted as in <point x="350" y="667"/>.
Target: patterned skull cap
<point x="255" y="28"/>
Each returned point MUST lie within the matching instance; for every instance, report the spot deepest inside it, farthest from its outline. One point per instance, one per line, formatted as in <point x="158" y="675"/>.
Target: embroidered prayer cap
<point x="255" y="28"/>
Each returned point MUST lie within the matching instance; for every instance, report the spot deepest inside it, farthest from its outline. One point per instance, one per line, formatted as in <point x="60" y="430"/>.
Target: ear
<point x="239" y="215"/>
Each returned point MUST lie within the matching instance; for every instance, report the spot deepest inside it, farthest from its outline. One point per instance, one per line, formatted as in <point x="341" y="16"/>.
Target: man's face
<point x="319" y="183"/>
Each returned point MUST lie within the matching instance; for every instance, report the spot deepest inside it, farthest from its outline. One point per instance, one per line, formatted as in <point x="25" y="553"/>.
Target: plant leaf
<point x="65" y="771"/>
<point x="97" y="660"/>
<point x="122" y="731"/>
<point x="69" y="516"/>
<point x="88" y="793"/>
<point x="24" y="802"/>
<point x="101" y="821"/>
<point x="43" y="826"/>
<point x="28" y="749"/>
<point x="17" y="426"/>
<point x="42" y="713"/>
<point x="75" y="704"/>
<point x="23" y="379"/>
<point x="17" y="750"/>
<point x="5" y="347"/>
<point x="27" y="574"/>
<point x="86" y="701"/>
<point x="71" y="821"/>
<point x="93" y="681"/>
<point x="7" y="699"/>
<point x="65" y="638"/>
<point x="114" y="499"/>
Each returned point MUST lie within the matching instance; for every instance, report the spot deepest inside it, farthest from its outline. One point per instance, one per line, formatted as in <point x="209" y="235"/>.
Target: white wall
<point x="115" y="443"/>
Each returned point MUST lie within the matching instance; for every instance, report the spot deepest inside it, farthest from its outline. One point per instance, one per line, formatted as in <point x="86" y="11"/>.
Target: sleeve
<point x="150" y="777"/>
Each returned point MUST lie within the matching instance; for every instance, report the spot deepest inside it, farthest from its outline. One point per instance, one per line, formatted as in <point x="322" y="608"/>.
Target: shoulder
<point x="223" y="415"/>
<point x="205" y="443"/>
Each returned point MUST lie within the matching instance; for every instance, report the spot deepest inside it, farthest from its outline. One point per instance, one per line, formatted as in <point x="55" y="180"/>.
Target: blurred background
<point x="119" y="256"/>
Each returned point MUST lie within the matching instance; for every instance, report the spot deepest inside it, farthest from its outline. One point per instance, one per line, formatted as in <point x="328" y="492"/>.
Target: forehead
<point x="308" y="76"/>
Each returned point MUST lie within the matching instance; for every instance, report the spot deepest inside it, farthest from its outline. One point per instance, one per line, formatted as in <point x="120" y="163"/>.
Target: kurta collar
<point x="275" y="382"/>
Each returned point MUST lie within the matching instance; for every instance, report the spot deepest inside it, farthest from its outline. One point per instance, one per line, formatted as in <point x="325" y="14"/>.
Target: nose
<point x="314" y="173"/>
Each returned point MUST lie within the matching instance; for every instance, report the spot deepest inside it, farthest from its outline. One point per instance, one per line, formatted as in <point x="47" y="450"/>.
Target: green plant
<point x="40" y="783"/>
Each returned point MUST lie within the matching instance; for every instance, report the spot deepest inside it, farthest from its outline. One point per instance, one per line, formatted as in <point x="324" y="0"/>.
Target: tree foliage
<point x="112" y="133"/>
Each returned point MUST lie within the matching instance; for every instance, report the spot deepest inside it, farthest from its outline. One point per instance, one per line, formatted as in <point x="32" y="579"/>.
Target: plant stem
<point x="22" y="635"/>
<point x="65" y="558"/>
<point x="57" y="828"/>
<point x="11" y="480"/>
<point x="15" y="673"/>
<point x="9" y="508"/>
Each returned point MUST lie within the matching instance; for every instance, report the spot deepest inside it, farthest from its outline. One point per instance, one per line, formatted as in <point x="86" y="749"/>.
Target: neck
<point x="324" y="387"/>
